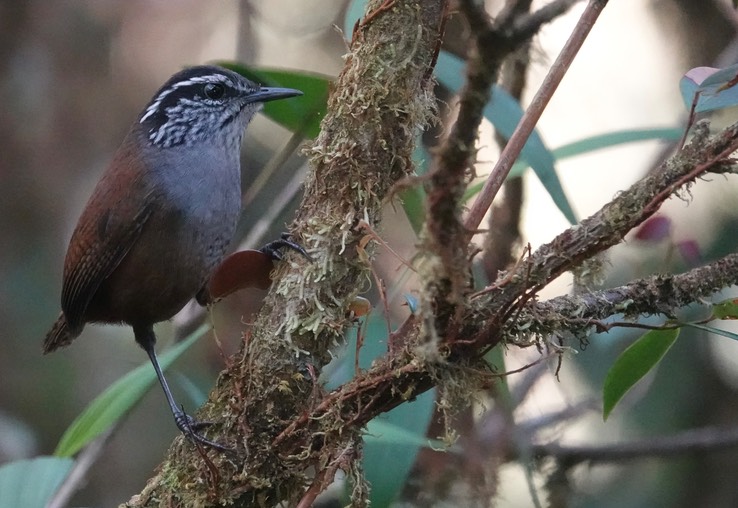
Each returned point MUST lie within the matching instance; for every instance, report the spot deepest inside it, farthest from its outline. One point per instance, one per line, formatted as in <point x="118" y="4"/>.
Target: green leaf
<point x="32" y="483"/>
<point x="413" y="198"/>
<point x="413" y="203"/>
<point x="504" y="112"/>
<point x="712" y="329"/>
<point x="394" y="438"/>
<point x="634" y="363"/>
<point x="591" y="144"/>
<point x="298" y="114"/>
<point x="727" y="309"/>
<point x="615" y="138"/>
<point x="391" y="447"/>
<point x="118" y="399"/>
<point x="382" y="431"/>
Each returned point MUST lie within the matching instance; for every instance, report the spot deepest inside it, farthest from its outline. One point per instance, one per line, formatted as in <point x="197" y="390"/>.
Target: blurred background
<point x="75" y="74"/>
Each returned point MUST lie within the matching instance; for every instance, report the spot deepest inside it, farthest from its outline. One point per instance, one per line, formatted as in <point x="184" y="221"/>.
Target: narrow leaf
<point x="413" y="198"/>
<point x="393" y="439"/>
<point x="634" y="363"/>
<point x="382" y="431"/>
<point x="615" y="138"/>
<point x="504" y="112"/>
<point x="118" y="400"/>
<point x="31" y="483"/>
<point x="389" y="455"/>
<point x="413" y="203"/>
<point x="712" y="329"/>
<point x="591" y="144"/>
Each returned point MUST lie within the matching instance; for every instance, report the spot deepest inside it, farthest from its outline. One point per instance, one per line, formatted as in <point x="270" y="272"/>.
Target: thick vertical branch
<point x="379" y="101"/>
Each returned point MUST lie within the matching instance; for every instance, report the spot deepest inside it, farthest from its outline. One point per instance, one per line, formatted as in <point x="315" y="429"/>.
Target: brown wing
<point x="107" y="229"/>
<point x="91" y="264"/>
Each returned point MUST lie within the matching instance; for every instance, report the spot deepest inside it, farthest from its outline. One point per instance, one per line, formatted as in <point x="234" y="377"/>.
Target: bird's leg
<point x="188" y="425"/>
<point x="272" y="249"/>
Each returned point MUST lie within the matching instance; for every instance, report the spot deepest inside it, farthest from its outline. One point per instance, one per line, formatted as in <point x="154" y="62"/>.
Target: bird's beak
<point x="266" y="94"/>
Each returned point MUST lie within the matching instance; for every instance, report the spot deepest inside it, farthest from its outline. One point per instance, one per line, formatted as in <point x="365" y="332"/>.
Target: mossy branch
<point x="285" y="431"/>
<point x="378" y="104"/>
<point x="664" y="294"/>
<point x="499" y="313"/>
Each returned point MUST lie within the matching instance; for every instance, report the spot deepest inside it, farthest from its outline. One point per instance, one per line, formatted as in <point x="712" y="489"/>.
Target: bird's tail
<point x="60" y="335"/>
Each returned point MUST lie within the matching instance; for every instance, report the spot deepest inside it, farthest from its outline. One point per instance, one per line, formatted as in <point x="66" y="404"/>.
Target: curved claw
<point x="272" y="249"/>
<point x="187" y="423"/>
<point x="190" y="427"/>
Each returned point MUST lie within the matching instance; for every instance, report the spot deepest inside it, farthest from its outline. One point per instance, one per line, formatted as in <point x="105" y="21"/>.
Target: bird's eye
<point x="214" y="91"/>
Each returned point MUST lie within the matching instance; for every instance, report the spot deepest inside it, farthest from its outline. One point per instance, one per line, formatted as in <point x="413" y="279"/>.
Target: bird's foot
<point x="272" y="249"/>
<point x="191" y="427"/>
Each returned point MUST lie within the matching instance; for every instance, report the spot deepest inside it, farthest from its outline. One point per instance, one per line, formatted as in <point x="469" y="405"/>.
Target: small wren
<point x="163" y="214"/>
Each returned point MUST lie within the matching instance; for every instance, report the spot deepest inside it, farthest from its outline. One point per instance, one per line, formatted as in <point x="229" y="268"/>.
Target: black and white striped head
<point x="205" y="103"/>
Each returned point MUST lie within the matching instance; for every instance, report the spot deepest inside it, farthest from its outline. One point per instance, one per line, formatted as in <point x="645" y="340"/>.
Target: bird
<point x="163" y="214"/>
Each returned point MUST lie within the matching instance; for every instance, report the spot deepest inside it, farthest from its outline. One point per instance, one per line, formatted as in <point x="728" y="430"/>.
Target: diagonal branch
<point x="607" y="227"/>
<point x="659" y="294"/>
<point x="445" y="236"/>
<point x="515" y="144"/>
<point x="687" y="442"/>
<point x="487" y="319"/>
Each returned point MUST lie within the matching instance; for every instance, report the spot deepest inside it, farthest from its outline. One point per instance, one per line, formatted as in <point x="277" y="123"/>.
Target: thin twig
<point x="515" y="144"/>
<point x="529" y="25"/>
<point x="323" y="478"/>
<point x="692" y="441"/>
<point x="77" y="476"/>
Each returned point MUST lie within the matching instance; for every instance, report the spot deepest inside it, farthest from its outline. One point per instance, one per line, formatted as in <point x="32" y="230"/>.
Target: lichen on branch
<point x="379" y="102"/>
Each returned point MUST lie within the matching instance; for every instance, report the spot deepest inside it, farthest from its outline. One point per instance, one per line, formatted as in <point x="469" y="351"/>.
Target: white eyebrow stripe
<point x="179" y="84"/>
